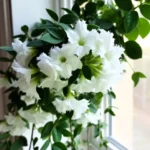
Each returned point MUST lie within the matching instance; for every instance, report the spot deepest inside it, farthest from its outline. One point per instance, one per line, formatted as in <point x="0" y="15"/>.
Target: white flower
<point x="29" y="89"/>
<point x="17" y="125"/>
<point x="4" y="127"/>
<point x="78" y="106"/>
<point x="108" y="2"/>
<point x="36" y="115"/>
<point x="28" y="99"/>
<point x="48" y="66"/>
<point x="4" y="82"/>
<point x="56" y="84"/>
<point x="66" y="59"/>
<point x="23" y="72"/>
<point x="24" y="53"/>
<point x="79" y="38"/>
<point x="89" y="117"/>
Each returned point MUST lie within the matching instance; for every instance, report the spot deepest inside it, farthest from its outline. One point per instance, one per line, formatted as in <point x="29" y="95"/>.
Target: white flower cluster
<point x="93" y="49"/>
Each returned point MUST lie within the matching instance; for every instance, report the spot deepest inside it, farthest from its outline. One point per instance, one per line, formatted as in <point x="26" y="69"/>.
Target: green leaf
<point x="18" y="144"/>
<point x="35" y="140"/>
<point x="70" y="11"/>
<point x="131" y="21"/>
<point x="75" y="75"/>
<point x="52" y="14"/>
<point x="69" y="19"/>
<point x="57" y="135"/>
<point x="109" y="110"/>
<point x="4" y="59"/>
<point x="66" y="90"/>
<point x="4" y="136"/>
<point x="143" y="27"/>
<point x="136" y="77"/>
<point x="96" y="131"/>
<point x="77" y="130"/>
<point x="87" y="72"/>
<point x="133" y="35"/>
<point x="98" y="98"/>
<point x="49" y="39"/>
<point x="145" y="10"/>
<point x="35" y="43"/>
<point x="92" y="26"/>
<point x="91" y="8"/>
<point x="92" y="108"/>
<point x="65" y="132"/>
<point x="80" y="2"/>
<point x="112" y="95"/>
<point x="45" y="145"/>
<point x="59" y="146"/>
<point x="104" y="24"/>
<point x="124" y="4"/>
<point x="3" y="145"/>
<point x="25" y="29"/>
<point x="133" y="50"/>
<point x="37" y="32"/>
<point x="47" y="129"/>
<point x="6" y="48"/>
<point x="76" y="9"/>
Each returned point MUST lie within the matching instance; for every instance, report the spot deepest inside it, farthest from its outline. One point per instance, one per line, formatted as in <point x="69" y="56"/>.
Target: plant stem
<point x="72" y="137"/>
<point x="88" y="148"/>
<point x="32" y="132"/>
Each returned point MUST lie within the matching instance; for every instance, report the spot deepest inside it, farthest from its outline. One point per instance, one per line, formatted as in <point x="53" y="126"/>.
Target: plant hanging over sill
<point x="59" y="74"/>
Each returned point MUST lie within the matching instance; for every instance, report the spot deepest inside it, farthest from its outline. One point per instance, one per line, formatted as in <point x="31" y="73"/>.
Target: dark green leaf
<point x="124" y="4"/>
<point x="65" y="132"/>
<point x="112" y="95"/>
<point x="145" y="10"/>
<point x="77" y="130"/>
<point x="96" y="131"/>
<point x="75" y="75"/>
<point x="49" y="39"/>
<point x="92" y="26"/>
<point x="47" y="129"/>
<point x="3" y="145"/>
<point x="92" y="108"/>
<point x="80" y="2"/>
<point x="66" y="90"/>
<point x="70" y="11"/>
<point x="69" y="19"/>
<point x="87" y="72"/>
<point x="91" y="8"/>
<point x="76" y="9"/>
<point x="18" y="144"/>
<point x="133" y="34"/>
<point x="131" y="21"/>
<point x="45" y="145"/>
<point x="104" y="24"/>
<point x="35" y="43"/>
<point x="25" y="29"/>
<point x="57" y="135"/>
<point x="6" y="48"/>
<point x="52" y="14"/>
<point x="35" y="140"/>
<point x="143" y="27"/>
<point x="4" y="136"/>
<point x="136" y="77"/>
<point x="133" y="50"/>
<point x="109" y="110"/>
<point x="37" y="32"/>
<point x="59" y="146"/>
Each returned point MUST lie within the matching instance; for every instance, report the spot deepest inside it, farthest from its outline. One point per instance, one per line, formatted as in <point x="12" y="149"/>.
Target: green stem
<point x="32" y="132"/>
<point x="72" y="137"/>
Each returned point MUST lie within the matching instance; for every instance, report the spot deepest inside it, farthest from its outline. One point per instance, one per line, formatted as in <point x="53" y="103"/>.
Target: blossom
<point x="79" y="38"/>
<point x="66" y="59"/>
<point x="89" y="117"/>
<point x="4" y="82"/>
<point x="35" y="115"/>
<point x="23" y="72"/>
<point x="28" y="99"/>
<point x="24" y="53"/>
<point x="48" y="66"/>
<point x="4" y="127"/>
<point x="17" y="125"/>
<point x="78" y="106"/>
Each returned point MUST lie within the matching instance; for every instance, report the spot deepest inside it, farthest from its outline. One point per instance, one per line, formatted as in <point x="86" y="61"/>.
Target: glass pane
<point x="131" y="126"/>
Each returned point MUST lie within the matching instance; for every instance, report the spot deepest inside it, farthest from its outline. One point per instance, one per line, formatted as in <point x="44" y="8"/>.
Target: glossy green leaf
<point x="25" y="29"/>
<point x="47" y="129"/>
<point x="87" y="72"/>
<point x="76" y="9"/>
<point x="69" y="19"/>
<point x="70" y="11"/>
<point x="133" y="50"/>
<point x="110" y="111"/>
<point x="59" y="146"/>
<point x="145" y="10"/>
<point x="92" y="26"/>
<point x="37" y="32"/>
<point x="65" y="132"/>
<point x="104" y="24"/>
<point x="131" y="21"/>
<point x="57" y="135"/>
<point x="91" y="8"/>
<point x="143" y="27"/>
<point x="45" y="145"/>
<point x="136" y="77"/>
<point x="77" y="130"/>
<point x="133" y="35"/>
<point x="52" y="14"/>
<point x="124" y="4"/>
<point x="49" y="39"/>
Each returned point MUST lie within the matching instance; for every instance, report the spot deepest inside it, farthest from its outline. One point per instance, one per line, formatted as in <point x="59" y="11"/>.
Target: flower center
<point x="81" y="42"/>
<point x="63" y="59"/>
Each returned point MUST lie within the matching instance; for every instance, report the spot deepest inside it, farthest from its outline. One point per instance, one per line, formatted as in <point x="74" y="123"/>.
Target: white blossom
<point x="4" y="127"/>
<point x="89" y="117"/>
<point x="28" y="99"/>
<point x="4" y="82"/>
<point x="66" y="59"/>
